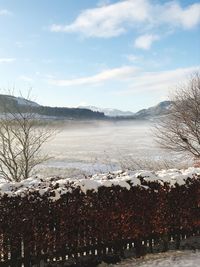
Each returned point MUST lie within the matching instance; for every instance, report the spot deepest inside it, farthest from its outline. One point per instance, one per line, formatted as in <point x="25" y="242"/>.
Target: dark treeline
<point x="68" y="112"/>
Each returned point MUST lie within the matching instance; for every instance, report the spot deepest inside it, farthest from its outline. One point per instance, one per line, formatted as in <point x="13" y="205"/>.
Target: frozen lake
<point x="99" y="146"/>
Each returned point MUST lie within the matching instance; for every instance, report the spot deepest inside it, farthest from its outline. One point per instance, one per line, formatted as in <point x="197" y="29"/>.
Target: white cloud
<point x="111" y="74"/>
<point x="186" y="18"/>
<point x="7" y="60"/>
<point x="145" y="41"/>
<point x="133" y="58"/>
<point x="135" y="79"/>
<point x="107" y="21"/>
<point x="115" y="19"/>
<point x="19" y="44"/>
<point x="103" y="3"/>
<point x="162" y="81"/>
<point x="25" y="78"/>
<point x="5" y="12"/>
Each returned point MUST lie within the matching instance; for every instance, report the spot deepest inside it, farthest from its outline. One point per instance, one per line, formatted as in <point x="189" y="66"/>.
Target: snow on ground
<point x="101" y="146"/>
<point x="82" y="144"/>
<point x="168" y="259"/>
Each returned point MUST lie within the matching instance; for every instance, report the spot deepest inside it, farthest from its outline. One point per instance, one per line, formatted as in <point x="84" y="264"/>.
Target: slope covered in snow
<point x="161" y="109"/>
<point x="24" y="102"/>
<point x="109" y="111"/>
<point x="12" y="100"/>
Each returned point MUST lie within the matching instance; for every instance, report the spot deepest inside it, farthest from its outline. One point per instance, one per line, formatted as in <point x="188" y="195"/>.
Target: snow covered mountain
<point x="13" y="100"/>
<point x="24" y="102"/>
<point x="109" y="111"/>
<point x="159" y="110"/>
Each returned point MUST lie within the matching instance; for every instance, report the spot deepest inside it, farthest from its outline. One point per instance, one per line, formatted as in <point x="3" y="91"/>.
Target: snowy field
<point x="168" y="259"/>
<point x="101" y="146"/>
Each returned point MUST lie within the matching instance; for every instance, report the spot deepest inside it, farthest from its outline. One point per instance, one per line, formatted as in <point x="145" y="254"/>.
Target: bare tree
<point x="22" y="135"/>
<point x="180" y="130"/>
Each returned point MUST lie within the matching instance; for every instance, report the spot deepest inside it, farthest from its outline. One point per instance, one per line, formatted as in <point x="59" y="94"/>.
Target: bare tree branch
<point x="180" y="130"/>
<point x="22" y="135"/>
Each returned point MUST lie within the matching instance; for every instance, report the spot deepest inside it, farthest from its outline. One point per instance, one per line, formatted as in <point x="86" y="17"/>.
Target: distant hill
<point x="109" y="111"/>
<point x="82" y="112"/>
<point x="159" y="110"/>
<point x="12" y="102"/>
<point x="17" y="103"/>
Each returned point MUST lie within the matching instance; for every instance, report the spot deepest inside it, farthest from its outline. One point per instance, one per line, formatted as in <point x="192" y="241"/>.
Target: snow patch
<point x="55" y="187"/>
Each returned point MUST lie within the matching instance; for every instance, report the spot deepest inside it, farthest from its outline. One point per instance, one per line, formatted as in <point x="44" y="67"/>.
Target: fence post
<point x="5" y="248"/>
<point x="16" y="253"/>
<point x="138" y="247"/>
<point x="178" y="239"/>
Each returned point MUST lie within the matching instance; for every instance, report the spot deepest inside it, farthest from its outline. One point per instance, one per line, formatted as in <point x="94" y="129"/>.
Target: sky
<point x="128" y="54"/>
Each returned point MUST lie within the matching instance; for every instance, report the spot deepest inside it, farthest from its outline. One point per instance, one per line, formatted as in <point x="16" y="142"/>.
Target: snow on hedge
<point x="124" y="179"/>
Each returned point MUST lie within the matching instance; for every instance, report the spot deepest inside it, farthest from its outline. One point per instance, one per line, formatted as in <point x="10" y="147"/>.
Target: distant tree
<point x="180" y="130"/>
<point x="22" y="135"/>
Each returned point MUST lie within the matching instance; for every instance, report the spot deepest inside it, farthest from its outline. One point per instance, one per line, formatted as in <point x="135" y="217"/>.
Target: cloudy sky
<point x="126" y="54"/>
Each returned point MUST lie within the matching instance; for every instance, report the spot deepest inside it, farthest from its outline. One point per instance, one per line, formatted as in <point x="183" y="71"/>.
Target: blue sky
<point x="126" y="54"/>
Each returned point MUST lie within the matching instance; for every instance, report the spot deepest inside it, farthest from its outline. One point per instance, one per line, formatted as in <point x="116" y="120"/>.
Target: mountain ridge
<point x="160" y="109"/>
<point x="85" y="112"/>
<point x="20" y="104"/>
<point x="110" y="112"/>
